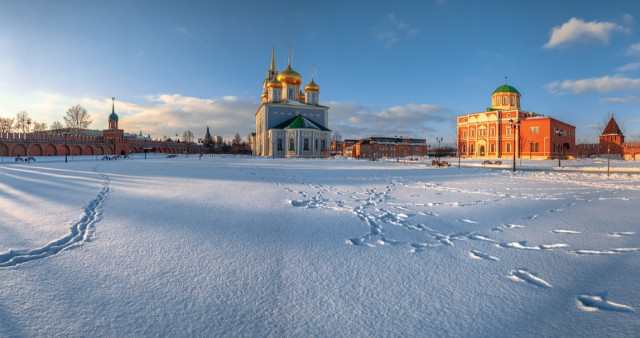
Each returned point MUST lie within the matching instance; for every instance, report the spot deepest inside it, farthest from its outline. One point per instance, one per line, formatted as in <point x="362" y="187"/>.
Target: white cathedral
<point x="290" y="123"/>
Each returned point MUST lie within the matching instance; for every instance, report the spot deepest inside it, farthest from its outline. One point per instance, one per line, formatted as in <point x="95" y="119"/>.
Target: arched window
<point x="513" y="100"/>
<point x="508" y="147"/>
<point x="492" y="148"/>
<point x="292" y="143"/>
<point x="279" y="144"/>
<point x="537" y="147"/>
<point x="323" y="144"/>
<point x="471" y="150"/>
<point x="306" y="144"/>
<point x="464" y="148"/>
<point x="504" y="100"/>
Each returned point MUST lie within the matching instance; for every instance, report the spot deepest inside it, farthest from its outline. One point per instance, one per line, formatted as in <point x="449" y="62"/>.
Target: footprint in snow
<point x="621" y="234"/>
<point x="523" y="275"/>
<point x="572" y="232"/>
<point x="477" y="254"/>
<point x="600" y="302"/>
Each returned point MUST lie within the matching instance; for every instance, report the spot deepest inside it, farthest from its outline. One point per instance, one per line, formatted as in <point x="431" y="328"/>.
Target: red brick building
<point x="612" y="142"/>
<point x="504" y="130"/>
<point x="379" y="147"/>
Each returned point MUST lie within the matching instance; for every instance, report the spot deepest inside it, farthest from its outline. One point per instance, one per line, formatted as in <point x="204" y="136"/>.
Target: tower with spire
<point x="115" y="135"/>
<point x="290" y="123"/>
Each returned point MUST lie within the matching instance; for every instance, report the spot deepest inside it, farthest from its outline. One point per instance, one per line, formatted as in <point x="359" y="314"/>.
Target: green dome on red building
<point x="505" y="89"/>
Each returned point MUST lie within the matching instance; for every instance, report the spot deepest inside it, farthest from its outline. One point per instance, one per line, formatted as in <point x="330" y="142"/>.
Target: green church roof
<point x="300" y="122"/>
<point x="505" y="89"/>
<point x="113" y="116"/>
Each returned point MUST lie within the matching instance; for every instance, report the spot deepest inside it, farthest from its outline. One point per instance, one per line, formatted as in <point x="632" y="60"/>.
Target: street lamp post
<point x="66" y="144"/>
<point x="28" y="136"/>
<point x="608" y="157"/>
<point x="438" y="139"/>
<point x="515" y="126"/>
<point x="530" y="148"/>
<point x="560" y="133"/>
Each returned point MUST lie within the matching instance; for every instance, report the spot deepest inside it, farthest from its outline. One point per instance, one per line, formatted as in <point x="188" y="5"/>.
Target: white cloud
<point x="576" y="30"/>
<point x="390" y="30"/>
<point x="629" y="67"/>
<point x="415" y="120"/>
<point x="634" y="49"/>
<point x="625" y="100"/>
<point x="598" y="85"/>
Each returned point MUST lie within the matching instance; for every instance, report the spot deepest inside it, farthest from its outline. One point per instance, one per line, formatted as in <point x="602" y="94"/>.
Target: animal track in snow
<point x="79" y="232"/>
<point x="621" y="234"/>
<point x="615" y="251"/>
<point x="572" y="232"/>
<point x="477" y="254"/>
<point x="507" y="226"/>
<point x="523" y="275"/>
<point x="523" y="245"/>
<point x="600" y="302"/>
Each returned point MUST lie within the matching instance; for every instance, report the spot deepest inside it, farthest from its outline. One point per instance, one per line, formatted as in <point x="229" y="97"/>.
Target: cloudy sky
<point x="384" y="68"/>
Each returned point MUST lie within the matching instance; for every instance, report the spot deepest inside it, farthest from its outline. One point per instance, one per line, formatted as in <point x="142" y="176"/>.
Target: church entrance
<point x="482" y="152"/>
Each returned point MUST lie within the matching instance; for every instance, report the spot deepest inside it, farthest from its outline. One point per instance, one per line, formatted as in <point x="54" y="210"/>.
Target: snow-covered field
<point x="241" y="246"/>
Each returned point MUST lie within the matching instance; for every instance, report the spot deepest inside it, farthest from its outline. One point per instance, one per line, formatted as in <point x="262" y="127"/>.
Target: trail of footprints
<point x="396" y="214"/>
<point x="79" y="232"/>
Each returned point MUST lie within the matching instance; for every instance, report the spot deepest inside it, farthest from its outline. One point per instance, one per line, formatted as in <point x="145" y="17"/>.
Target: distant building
<point x="494" y="132"/>
<point x="379" y="147"/>
<point x="612" y="142"/>
<point x="78" y="142"/>
<point x="290" y="123"/>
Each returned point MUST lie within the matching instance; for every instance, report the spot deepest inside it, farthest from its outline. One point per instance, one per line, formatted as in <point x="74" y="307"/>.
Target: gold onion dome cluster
<point x="289" y="76"/>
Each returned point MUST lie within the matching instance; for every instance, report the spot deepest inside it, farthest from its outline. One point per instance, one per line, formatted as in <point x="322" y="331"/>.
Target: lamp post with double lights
<point x="28" y="135"/>
<point x="560" y="133"/>
<point x="66" y="144"/>
<point x="608" y="157"/>
<point x="438" y="139"/>
<point x="515" y="126"/>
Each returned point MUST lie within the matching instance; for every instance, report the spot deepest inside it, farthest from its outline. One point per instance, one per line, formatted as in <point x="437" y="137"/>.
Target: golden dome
<point x="289" y="76"/>
<point x="311" y="87"/>
<point x="274" y="83"/>
<point x="264" y="96"/>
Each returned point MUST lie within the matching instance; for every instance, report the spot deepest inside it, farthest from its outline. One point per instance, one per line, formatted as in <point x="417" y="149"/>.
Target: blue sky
<point x="385" y="68"/>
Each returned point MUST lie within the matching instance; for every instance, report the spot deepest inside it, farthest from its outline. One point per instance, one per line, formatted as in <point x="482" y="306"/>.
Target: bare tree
<point x="187" y="136"/>
<point x="57" y="125"/>
<point x="39" y="126"/>
<point x="22" y="121"/>
<point x="336" y="136"/>
<point x="77" y="118"/>
<point x="237" y="140"/>
<point x="6" y="124"/>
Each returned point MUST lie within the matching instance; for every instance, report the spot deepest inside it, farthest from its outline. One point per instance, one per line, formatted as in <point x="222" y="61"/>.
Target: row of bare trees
<point x="76" y="118"/>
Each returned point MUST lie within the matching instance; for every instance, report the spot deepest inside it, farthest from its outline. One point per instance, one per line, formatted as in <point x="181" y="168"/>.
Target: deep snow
<point x="271" y="247"/>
